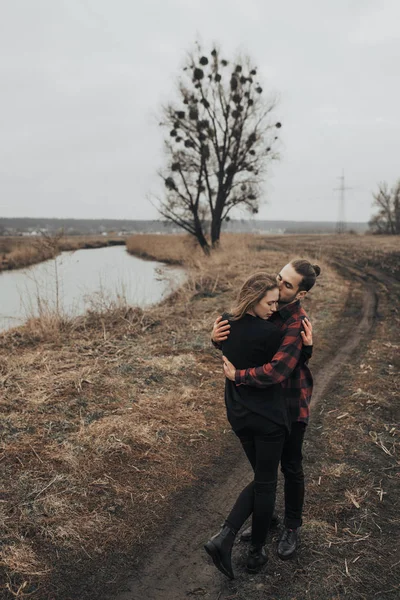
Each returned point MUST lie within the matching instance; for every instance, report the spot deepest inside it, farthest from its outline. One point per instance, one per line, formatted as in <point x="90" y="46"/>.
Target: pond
<point x="76" y="281"/>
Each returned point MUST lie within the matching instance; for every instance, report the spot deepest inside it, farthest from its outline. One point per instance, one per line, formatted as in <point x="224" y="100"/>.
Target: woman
<point x="258" y="417"/>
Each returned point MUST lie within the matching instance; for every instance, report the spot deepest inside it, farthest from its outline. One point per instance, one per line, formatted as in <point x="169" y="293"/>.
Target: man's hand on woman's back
<point x="220" y="330"/>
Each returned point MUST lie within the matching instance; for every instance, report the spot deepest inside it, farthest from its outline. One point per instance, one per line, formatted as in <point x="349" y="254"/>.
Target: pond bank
<point x="77" y="281"/>
<point x="21" y="252"/>
<point x="169" y="249"/>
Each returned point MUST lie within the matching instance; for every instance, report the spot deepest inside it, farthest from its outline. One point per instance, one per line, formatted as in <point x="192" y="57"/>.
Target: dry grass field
<point x="170" y="249"/>
<point x="106" y="418"/>
<point x="20" y="252"/>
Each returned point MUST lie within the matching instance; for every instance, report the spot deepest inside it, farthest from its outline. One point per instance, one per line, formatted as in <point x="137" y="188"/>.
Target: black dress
<point x="252" y="342"/>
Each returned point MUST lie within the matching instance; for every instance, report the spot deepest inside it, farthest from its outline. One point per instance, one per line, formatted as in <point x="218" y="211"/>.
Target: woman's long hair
<point x="251" y="292"/>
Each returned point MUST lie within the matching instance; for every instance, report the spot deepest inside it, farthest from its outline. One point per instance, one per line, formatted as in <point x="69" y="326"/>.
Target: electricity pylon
<point x="341" y="222"/>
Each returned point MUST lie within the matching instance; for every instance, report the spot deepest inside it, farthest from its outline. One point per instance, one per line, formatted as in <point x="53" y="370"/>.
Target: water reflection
<point x="76" y="281"/>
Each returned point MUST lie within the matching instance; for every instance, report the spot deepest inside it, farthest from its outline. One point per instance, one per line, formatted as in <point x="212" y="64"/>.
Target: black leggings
<point x="264" y="452"/>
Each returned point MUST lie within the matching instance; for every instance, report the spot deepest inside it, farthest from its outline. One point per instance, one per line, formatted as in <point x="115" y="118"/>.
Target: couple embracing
<point x="266" y="341"/>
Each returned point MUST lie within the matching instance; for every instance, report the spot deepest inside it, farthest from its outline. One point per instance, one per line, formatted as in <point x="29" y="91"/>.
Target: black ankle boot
<point x="256" y="558"/>
<point x="219" y="547"/>
<point x="288" y="543"/>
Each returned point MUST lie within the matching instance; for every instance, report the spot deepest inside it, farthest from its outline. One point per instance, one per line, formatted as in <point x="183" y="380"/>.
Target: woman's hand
<point x="220" y="330"/>
<point x="307" y="333"/>
<point x="229" y="369"/>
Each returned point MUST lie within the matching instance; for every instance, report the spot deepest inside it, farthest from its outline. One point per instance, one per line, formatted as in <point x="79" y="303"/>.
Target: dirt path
<point x="325" y="376"/>
<point x="177" y="568"/>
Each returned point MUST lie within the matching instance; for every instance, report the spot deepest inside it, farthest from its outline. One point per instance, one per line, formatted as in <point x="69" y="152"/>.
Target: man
<point x="294" y="280"/>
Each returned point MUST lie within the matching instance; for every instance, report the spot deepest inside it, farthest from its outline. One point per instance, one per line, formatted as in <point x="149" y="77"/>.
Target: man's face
<point x="289" y="282"/>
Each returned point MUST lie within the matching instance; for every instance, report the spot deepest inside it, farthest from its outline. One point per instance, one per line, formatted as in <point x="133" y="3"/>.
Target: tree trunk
<point x="204" y="245"/>
<point x="397" y="213"/>
<point x="216" y="221"/>
<point x="215" y="233"/>
<point x="201" y="238"/>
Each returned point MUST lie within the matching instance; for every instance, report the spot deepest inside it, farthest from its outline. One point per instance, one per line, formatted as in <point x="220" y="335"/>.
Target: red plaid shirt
<point x="286" y="367"/>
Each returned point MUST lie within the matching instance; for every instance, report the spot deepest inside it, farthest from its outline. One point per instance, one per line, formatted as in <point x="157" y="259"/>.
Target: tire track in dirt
<point x="176" y="568"/>
<point x="326" y="376"/>
<point x="370" y="277"/>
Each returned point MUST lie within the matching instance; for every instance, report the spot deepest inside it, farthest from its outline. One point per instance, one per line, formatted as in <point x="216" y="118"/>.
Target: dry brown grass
<point x="170" y="249"/>
<point x="382" y="252"/>
<point x="79" y="242"/>
<point x="105" y="417"/>
<point x="20" y="252"/>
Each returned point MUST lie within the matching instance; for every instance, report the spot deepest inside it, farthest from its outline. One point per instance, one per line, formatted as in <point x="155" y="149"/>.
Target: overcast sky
<point x="81" y="82"/>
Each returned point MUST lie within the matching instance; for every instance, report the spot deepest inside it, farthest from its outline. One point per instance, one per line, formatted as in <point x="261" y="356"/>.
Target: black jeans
<point x="264" y="450"/>
<point x="292" y="469"/>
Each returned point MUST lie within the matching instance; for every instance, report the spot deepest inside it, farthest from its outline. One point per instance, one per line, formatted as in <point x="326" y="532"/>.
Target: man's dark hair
<point x="308" y="271"/>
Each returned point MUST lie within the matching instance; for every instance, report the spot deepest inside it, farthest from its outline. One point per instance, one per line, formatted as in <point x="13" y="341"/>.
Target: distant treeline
<point x="13" y="226"/>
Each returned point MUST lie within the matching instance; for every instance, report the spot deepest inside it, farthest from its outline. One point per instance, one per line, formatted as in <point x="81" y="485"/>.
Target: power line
<point x="341" y="222"/>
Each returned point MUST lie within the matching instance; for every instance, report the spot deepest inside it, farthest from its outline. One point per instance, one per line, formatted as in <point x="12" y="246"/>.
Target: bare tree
<point x="387" y="219"/>
<point x="221" y="138"/>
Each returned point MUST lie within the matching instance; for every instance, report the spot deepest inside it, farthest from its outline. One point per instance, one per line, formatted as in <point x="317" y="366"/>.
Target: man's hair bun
<point x="317" y="270"/>
<point x="309" y="273"/>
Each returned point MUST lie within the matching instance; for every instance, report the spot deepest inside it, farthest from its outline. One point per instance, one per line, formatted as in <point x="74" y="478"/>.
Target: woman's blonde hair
<point x="251" y="292"/>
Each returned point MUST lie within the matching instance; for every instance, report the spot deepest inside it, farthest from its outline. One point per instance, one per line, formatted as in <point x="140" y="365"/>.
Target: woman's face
<point x="267" y="305"/>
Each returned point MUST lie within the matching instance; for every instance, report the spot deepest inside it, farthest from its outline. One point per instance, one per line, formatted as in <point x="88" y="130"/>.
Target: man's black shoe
<point x="288" y="543"/>
<point x="219" y="547"/>
<point x="256" y="559"/>
<point x="274" y="524"/>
